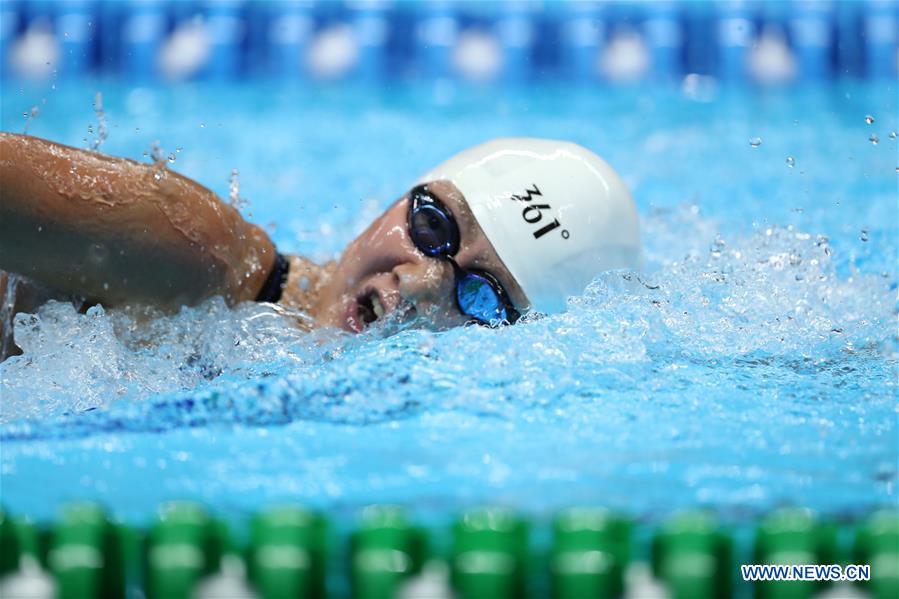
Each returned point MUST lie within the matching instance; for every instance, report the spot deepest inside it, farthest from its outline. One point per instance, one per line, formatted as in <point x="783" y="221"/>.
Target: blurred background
<point x="766" y="42"/>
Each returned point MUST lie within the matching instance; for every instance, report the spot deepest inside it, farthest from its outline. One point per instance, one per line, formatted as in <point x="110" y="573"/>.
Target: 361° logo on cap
<point x="533" y="213"/>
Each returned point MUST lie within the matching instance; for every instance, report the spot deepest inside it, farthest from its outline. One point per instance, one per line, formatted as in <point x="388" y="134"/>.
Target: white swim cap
<point x="556" y="213"/>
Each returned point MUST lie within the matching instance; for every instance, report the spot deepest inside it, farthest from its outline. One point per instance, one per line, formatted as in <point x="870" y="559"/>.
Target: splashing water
<point x="157" y="153"/>
<point x="234" y="198"/>
<point x="30" y="115"/>
<point x="102" y="127"/>
<point x="139" y="352"/>
<point x="775" y="293"/>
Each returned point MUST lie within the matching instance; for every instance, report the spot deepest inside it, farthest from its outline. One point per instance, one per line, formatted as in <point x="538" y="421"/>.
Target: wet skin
<point x="117" y="232"/>
<point x="383" y="264"/>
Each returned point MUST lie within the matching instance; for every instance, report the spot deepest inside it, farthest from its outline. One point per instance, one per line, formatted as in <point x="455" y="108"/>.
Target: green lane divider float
<point x="591" y="549"/>
<point x="877" y="544"/>
<point x="691" y="554"/>
<point x="385" y="550"/>
<point x="86" y="556"/>
<point x="9" y="545"/>
<point x="183" y="546"/>
<point x="188" y="553"/>
<point x="287" y="553"/>
<point x="793" y="537"/>
<point x="489" y="555"/>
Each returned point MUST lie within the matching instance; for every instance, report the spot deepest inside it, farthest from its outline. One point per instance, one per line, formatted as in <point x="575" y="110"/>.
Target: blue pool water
<point x="752" y="364"/>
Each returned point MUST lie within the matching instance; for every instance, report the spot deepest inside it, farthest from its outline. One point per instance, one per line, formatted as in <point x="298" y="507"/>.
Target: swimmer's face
<point x="382" y="271"/>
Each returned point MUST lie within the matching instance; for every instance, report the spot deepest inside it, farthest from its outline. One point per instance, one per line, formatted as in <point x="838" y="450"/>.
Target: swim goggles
<point x="435" y="233"/>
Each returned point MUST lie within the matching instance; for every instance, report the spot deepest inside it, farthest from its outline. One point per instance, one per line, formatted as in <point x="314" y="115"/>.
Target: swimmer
<point x="501" y="229"/>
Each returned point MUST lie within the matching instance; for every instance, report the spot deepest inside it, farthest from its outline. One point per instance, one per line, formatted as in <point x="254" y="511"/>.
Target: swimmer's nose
<point x="426" y="283"/>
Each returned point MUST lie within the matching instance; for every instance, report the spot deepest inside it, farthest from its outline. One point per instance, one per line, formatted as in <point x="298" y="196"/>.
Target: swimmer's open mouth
<point x="364" y="310"/>
<point x="370" y="308"/>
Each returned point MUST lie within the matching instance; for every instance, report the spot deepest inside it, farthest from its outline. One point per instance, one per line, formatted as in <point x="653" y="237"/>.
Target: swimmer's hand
<point x="118" y="231"/>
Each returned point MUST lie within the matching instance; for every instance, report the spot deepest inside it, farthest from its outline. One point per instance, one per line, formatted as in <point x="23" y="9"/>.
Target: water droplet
<point x="30" y="116"/>
<point x="869" y="119"/>
<point x="157" y="175"/>
<point x="40" y="228"/>
<point x="755" y="141"/>
<point x="102" y="128"/>
<point x="864" y="235"/>
<point x="90" y="129"/>
<point x="874" y="139"/>
<point x="234" y="191"/>
<point x="791" y="162"/>
<point x="202" y="125"/>
<point x="892" y="135"/>
<point x="171" y="158"/>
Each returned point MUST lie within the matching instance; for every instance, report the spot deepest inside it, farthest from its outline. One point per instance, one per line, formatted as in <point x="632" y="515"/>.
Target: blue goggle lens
<point x="478" y="299"/>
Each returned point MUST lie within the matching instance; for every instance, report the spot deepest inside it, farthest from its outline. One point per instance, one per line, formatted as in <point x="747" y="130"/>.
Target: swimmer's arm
<point x="118" y="231"/>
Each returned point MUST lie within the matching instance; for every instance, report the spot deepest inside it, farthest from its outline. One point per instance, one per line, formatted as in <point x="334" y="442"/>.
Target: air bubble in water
<point x="869" y="119"/>
<point x="892" y="135"/>
<point x="755" y="141"/>
<point x="791" y="162"/>
<point x="864" y="235"/>
<point x="171" y="158"/>
<point x="874" y="139"/>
